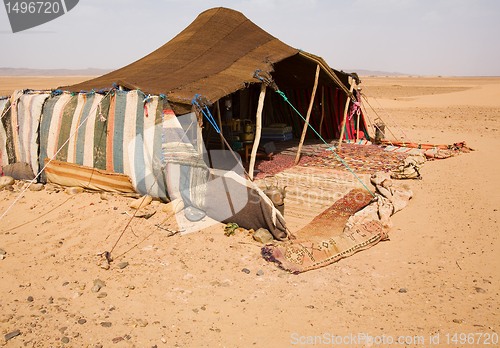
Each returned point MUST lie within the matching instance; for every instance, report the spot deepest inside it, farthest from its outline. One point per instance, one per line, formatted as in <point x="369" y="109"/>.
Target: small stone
<point x="402" y="290"/>
<point x="106" y="324"/>
<point x="163" y="340"/>
<point x="102" y="295"/>
<point x="98" y="285"/>
<point x="12" y="334"/>
<point x="131" y="287"/>
<point x="310" y="307"/>
<point x="2" y="252"/>
<point x="117" y="339"/>
<point x="142" y="322"/>
<point x="9" y="188"/>
<point x="98" y="346"/>
<point x="141" y="202"/>
<point x="63" y="329"/>
<point x="104" y="196"/>
<point x="65" y="340"/>
<point x="65" y="283"/>
<point x="260" y="273"/>
<point x="82" y="321"/>
<point x="239" y="230"/>
<point x="74" y="190"/>
<point x="30" y="299"/>
<point x="6" y="181"/>
<point x="480" y="290"/>
<point x="122" y="265"/>
<point x="246" y="270"/>
<point x="263" y="236"/>
<point x="37" y="187"/>
<point x="104" y="264"/>
<point x="458" y="321"/>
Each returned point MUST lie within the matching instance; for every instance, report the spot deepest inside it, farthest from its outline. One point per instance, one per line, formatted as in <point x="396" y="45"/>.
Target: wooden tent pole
<point x="346" y="109"/>
<point x="357" y="124"/>
<point x="311" y="103"/>
<point x="220" y="124"/>
<point x="258" y="129"/>
<point x="322" y="109"/>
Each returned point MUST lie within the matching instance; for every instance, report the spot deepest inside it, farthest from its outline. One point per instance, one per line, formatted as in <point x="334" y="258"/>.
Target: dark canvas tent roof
<point x="216" y="55"/>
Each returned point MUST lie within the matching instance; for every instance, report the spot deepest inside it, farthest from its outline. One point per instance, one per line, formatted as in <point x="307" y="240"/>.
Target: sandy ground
<point x="437" y="276"/>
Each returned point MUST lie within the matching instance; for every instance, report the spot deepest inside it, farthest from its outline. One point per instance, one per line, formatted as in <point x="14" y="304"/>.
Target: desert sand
<point x="437" y="276"/>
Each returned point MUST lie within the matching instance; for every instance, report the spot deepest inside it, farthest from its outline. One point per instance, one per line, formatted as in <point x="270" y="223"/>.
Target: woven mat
<point x="360" y="158"/>
<point x="309" y="191"/>
<point x="324" y="240"/>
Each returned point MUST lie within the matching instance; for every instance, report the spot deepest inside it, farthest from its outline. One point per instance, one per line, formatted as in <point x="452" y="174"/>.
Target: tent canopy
<point x="216" y="55"/>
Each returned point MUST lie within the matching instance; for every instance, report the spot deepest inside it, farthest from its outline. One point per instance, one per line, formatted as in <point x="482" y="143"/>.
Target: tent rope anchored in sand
<point x="142" y="129"/>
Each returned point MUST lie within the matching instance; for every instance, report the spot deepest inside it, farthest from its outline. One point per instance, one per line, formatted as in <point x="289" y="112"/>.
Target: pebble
<point x="82" y="321"/>
<point x="141" y="202"/>
<point x="37" y="187"/>
<point x="12" y="335"/>
<point x="458" y="321"/>
<point x="74" y="190"/>
<point x="122" y="265"/>
<point x="480" y="290"/>
<point x="2" y="252"/>
<point x="30" y="299"/>
<point x="106" y="324"/>
<point x="263" y="235"/>
<point x="142" y="322"/>
<point x="65" y="340"/>
<point x="246" y="270"/>
<point x="117" y="339"/>
<point x="102" y="295"/>
<point x="131" y="287"/>
<point x="104" y="196"/>
<point x="98" y="284"/>
<point x="6" y="181"/>
<point x="260" y="273"/>
<point x="402" y="290"/>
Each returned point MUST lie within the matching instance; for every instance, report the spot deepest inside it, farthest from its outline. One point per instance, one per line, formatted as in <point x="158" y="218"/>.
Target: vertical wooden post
<point x="258" y="129"/>
<point x="311" y="103"/>
<point x="346" y="109"/>
<point x="220" y="124"/>
<point x="357" y="124"/>
<point x="322" y="109"/>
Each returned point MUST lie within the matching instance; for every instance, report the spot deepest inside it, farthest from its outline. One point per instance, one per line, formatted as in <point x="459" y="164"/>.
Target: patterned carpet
<point x="360" y="158"/>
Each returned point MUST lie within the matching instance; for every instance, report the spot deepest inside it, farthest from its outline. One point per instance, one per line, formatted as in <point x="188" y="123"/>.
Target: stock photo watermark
<point x="29" y="14"/>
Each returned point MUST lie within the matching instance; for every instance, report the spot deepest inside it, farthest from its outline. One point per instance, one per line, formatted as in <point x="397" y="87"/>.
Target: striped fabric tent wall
<point x="121" y="132"/>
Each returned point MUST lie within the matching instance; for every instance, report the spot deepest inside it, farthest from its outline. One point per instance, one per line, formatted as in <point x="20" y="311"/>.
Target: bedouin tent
<point x="121" y="132"/>
<point x="219" y="54"/>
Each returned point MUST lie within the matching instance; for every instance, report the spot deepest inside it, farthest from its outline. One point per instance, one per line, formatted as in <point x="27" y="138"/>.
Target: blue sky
<point x="419" y="37"/>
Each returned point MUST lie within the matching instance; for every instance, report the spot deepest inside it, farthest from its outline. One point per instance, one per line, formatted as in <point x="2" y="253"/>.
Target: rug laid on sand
<point x="430" y="151"/>
<point x="309" y="191"/>
<point x="360" y="158"/>
<point x="354" y="223"/>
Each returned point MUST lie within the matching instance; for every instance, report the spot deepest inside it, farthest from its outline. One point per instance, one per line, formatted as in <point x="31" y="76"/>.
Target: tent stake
<point x="311" y="103"/>
<point x="346" y="109"/>
<point x="258" y="128"/>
